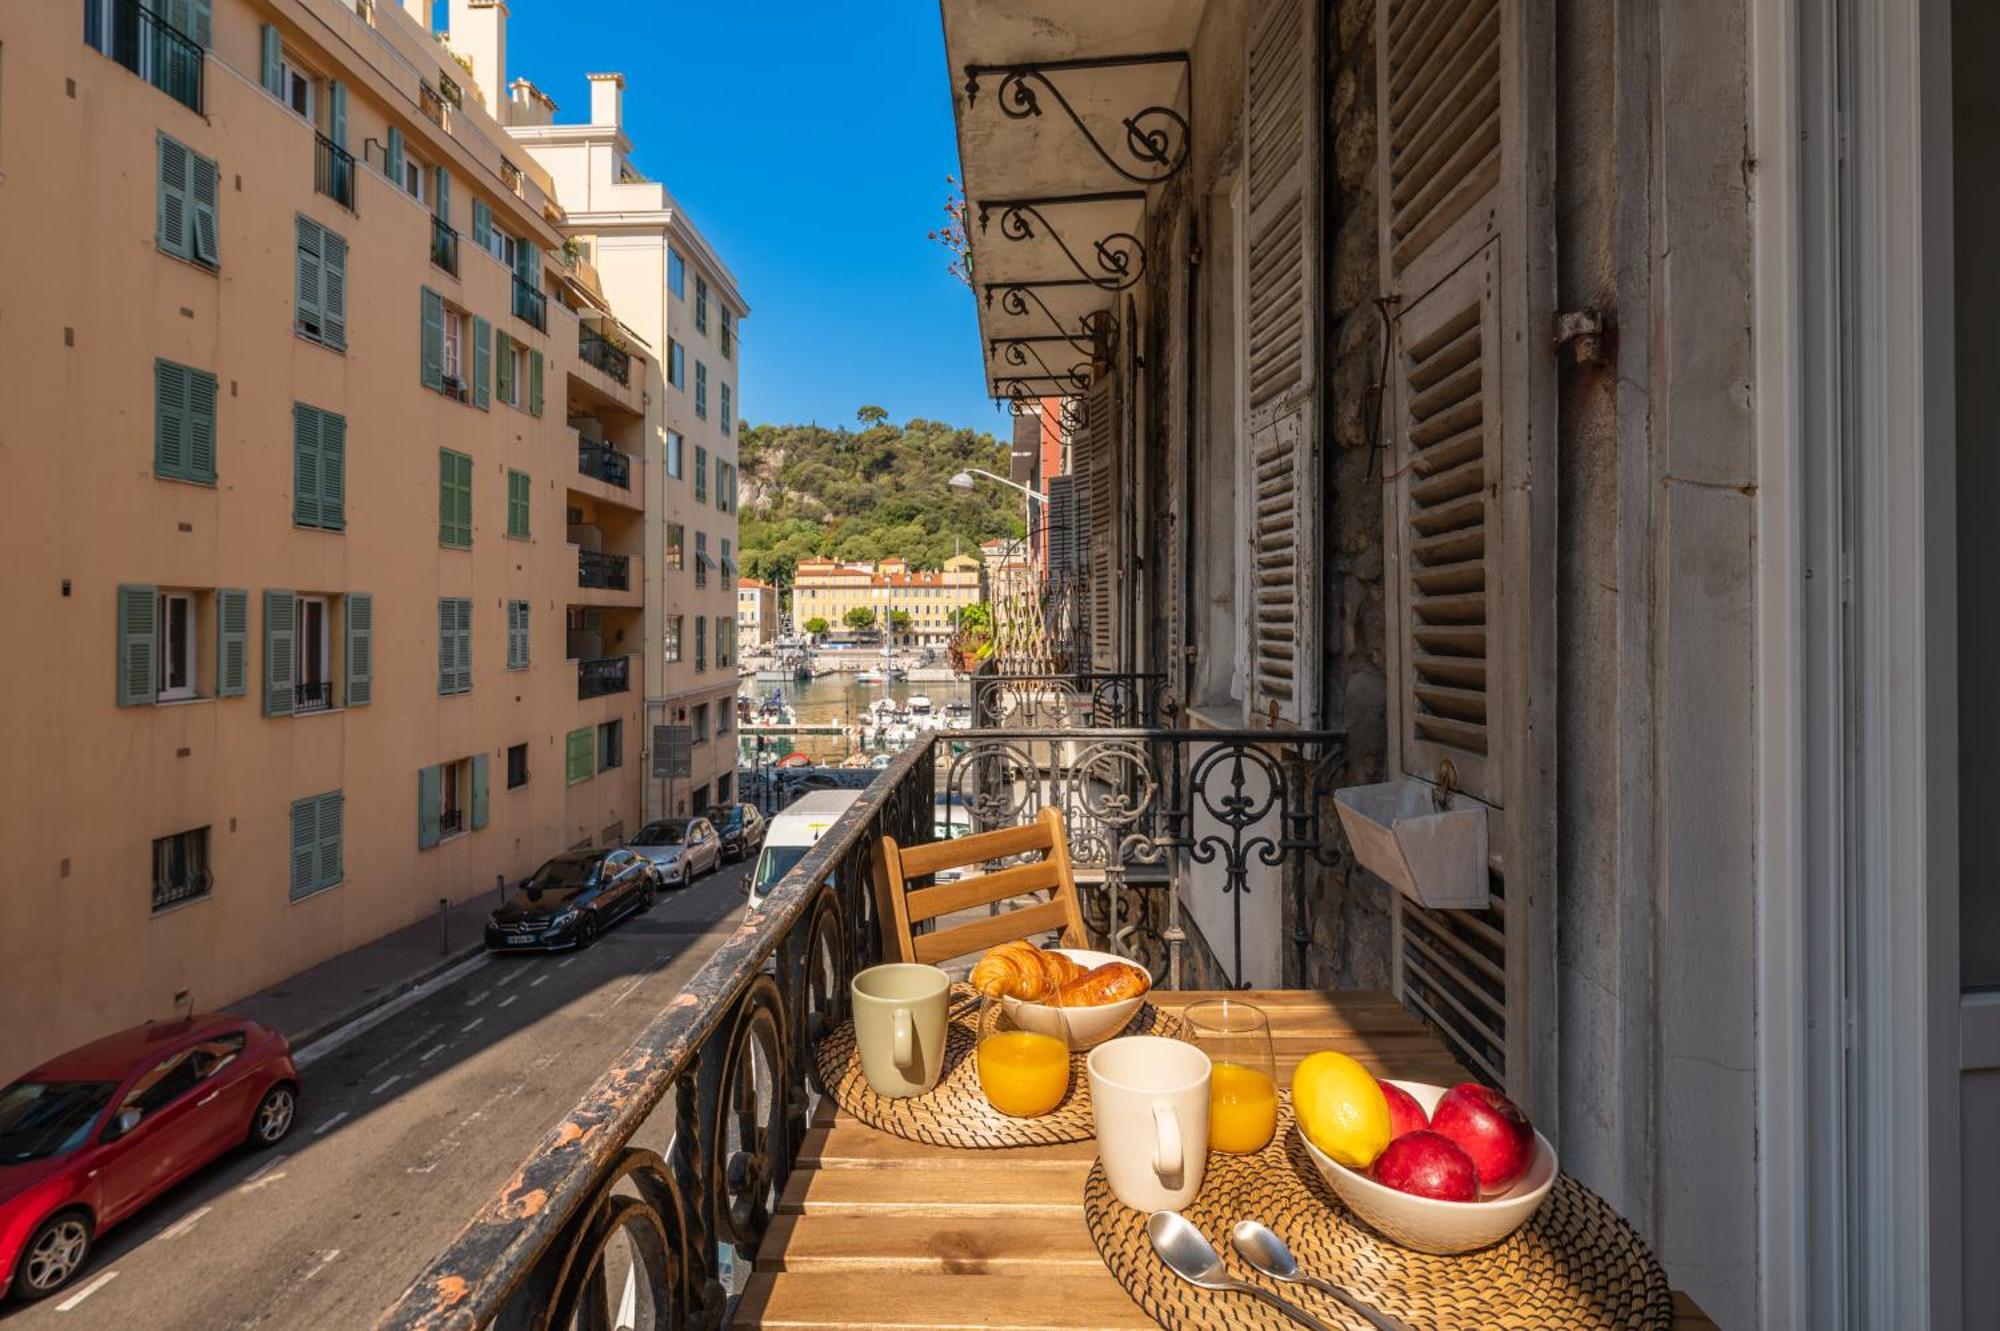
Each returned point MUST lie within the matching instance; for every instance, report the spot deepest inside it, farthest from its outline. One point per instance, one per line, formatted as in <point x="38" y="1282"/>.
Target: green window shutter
<point x="478" y="791"/>
<point x="464" y="645"/>
<point x="517" y="503"/>
<point x="504" y="357"/>
<point x="482" y="224"/>
<point x="581" y="755"/>
<point x="280" y="636"/>
<point x="305" y="465"/>
<point x="305" y="846"/>
<point x="333" y="289"/>
<point x="336" y="113"/>
<point x="447" y="497"/>
<point x="203" y="189"/>
<point x="201" y="23"/>
<point x="534" y="382"/>
<point x="447" y="646"/>
<point x="396" y="156"/>
<point x="201" y="426"/>
<point x="430" y="795"/>
<point x="273" y="50"/>
<point x="329" y="819"/>
<point x="309" y="284"/>
<point x="482" y="363"/>
<point x="173" y="200"/>
<point x="462" y="500"/>
<point x="138" y="623"/>
<point x="517" y="635"/>
<point x="333" y="471"/>
<point x="432" y="365"/>
<point x="170" y="419"/>
<point x="232" y="642"/>
<point x="360" y="649"/>
<point x="443" y="200"/>
<point x="527" y="262"/>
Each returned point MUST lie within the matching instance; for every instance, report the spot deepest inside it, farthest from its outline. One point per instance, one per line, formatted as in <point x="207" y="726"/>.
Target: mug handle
<point x="1167" y="1150"/>
<point x="905" y="1038"/>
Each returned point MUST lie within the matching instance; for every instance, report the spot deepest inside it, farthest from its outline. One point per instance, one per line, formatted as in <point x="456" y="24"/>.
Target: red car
<point x="89" y="1137"/>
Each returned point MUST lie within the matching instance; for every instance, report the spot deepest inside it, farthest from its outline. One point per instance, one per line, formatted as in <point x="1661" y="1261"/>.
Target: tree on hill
<point x="871" y="416"/>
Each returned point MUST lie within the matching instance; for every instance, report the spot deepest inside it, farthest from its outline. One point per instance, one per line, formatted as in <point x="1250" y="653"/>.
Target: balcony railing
<point x="1061" y="702"/>
<point x="444" y="245"/>
<point x="333" y="171"/>
<point x="450" y="821"/>
<point x="151" y="47"/>
<point x="597" y="349"/>
<point x="594" y="568"/>
<point x="595" y="679"/>
<point x="1225" y="809"/>
<point x="604" y="463"/>
<point x="530" y="305"/>
<point x="312" y="696"/>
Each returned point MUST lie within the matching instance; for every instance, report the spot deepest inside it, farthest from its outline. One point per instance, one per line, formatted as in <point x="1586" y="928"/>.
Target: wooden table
<point x="876" y="1231"/>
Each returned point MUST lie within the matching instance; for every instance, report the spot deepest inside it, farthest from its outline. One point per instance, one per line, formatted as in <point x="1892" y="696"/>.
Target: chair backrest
<point x="901" y="908"/>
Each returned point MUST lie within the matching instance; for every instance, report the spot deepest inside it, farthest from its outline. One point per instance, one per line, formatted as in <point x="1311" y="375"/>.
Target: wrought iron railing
<point x="530" y="305"/>
<point x="312" y="696"/>
<point x="189" y="884"/>
<point x="603" y="462"/>
<point x="333" y="171"/>
<point x="595" y="679"/>
<point x="451" y="821"/>
<point x="1060" y="702"/>
<point x="594" y="568"/>
<point x="597" y="349"/>
<point x="154" y="49"/>
<point x="444" y="245"/>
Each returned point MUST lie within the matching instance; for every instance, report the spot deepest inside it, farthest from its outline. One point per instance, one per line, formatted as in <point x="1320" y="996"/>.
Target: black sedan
<point x="572" y="899"/>
<point x="742" y="829"/>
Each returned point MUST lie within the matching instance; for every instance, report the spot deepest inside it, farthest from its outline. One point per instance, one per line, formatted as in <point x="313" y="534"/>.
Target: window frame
<point x="291" y="72"/>
<point x="522" y="750"/>
<point x="676" y="547"/>
<point x="199" y="878"/>
<point x="191" y="647"/>
<point x="671" y="632"/>
<point x="302" y="602"/>
<point x="676" y="446"/>
<point x="610" y="740"/>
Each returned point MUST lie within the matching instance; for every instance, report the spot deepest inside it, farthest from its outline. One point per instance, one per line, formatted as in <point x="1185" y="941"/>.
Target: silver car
<point x="680" y="848"/>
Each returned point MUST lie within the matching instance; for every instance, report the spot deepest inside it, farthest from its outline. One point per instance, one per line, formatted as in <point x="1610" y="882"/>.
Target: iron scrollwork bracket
<point x="1156" y="139"/>
<point x="1120" y="256"/>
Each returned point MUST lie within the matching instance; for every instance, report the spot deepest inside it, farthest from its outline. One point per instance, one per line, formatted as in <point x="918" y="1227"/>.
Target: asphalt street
<point x="406" y="1127"/>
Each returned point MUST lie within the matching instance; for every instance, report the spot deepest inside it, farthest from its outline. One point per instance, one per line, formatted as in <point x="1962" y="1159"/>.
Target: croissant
<point x="1022" y="970"/>
<point x="1112" y="982"/>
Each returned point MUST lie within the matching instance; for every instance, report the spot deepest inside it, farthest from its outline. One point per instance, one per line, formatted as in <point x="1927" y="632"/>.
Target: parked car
<point x="681" y="849"/>
<point x="89" y="1137"/>
<point x="741" y="828"/>
<point x="791" y="834"/>
<point x="572" y="899"/>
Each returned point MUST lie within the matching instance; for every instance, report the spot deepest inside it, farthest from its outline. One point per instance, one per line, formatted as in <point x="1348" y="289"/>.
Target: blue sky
<point x="810" y="144"/>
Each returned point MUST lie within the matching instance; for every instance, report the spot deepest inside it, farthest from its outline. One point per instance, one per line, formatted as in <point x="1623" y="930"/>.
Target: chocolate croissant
<point x="1112" y="982"/>
<point x="1022" y="970"/>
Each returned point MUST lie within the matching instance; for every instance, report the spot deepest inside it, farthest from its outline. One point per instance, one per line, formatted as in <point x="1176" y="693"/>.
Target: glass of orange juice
<point x="1024" y="1073"/>
<point x="1243" y="1088"/>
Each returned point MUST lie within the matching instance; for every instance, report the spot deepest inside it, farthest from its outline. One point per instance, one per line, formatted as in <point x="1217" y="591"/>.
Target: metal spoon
<point x="1189" y="1256"/>
<point x="1263" y="1249"/>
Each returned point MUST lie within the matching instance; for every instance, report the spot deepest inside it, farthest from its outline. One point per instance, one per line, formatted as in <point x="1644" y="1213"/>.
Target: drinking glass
<point x="1023" y="1073"/>
<point x="1243" y="1089"/>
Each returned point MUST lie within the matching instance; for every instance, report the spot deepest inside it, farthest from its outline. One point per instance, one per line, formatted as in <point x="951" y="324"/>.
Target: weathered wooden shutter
<point x="336" y="113"/>
<point x="170" y="419"/>
<point x="482" y="225"/>
<point x="360" y="649"/>
<point x="202" y="197"/>
<point x="138" y="648"/>
<point x="333" y="289"/>
<point x="280" y="645"/>
<point x="1470" y="494"/>
<point x="232" y="642"/>
<point x="332" y="470"/>
<point x="478" y="791"/>
<point x="310" y="283"/>
<point x="430" y="797"/>
<point x="305" y="465"/>
<point x="581" y="757"/>
<point x="1092" y="459"/>
<point x="1282" y="337"/>
<point x="305" y="845"/>
<point x="173" y="198"/>
<point x="534" y="382"/>
<point x="482" y="363"/>
<point x="327" y="826"/>
<point x="431" y="354"/>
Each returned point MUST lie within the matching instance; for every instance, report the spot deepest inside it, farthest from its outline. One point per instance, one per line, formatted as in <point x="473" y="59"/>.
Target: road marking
<point x="387" y="1084"/>
<point x="184" y="1224"/>
<point x="431" y="1053"/>
<point x="513" y="973"/>
<point x="538" y="979"/>
<point x="339" y="1036"/>
<point x="325" y="1260"/>
<point x="330" y="1124"/>
<point x="265" y="1168"/>
<point x="508" y="999"/>
<point x="423" y="1037"/>
<point x="567" y="962"/>
<point x="471" y="1026"/>
<point x="86" y="1292"/>
<point x="478" y="997"/>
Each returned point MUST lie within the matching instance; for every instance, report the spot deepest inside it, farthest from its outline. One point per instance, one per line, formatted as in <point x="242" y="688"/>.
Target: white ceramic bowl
<point x="1088" y="1026"/>
<point x="1429" y="1225"/>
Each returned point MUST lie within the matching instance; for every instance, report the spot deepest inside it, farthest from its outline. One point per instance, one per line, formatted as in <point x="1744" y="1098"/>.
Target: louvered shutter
<point x="232" y="642"/>
<point x="305" y="465"/>
<point x="462" y="501"/>
<point x="333" y="289"/>
<point x="430" y="797"/>
<point x="173" y="206"/>
<point x="447" y="646"/>
<point x="534" y="382"/>
<point x="464" y="639"/>
<point x="201" y="426"/>
<point x="201" y="23"/>
<point x="447" y="497"/>
<point x="431" y="348"/>
<point x="482" y="225"/>
<point x="328" y="820"/>
<point x="482" y="363"/>
<point x="170" y="419"/>
<point x="202" y="190"/>
<point x="310" y="283"/>
<point x="360" y="649"/>
<point x="442" y="202"/>
<point x="138" y="648"/>
<point x="395" y="156"/>
<point x="478" y="791"/>
<point x="333" y="470"/>
<point x="336" y="114"/>
<point x="280" y="643"/>
<point x="305" y="846"/>
<point x="1281" y="339"/>
<point x="1092" y="461"/>
<point x="504" y="357"/>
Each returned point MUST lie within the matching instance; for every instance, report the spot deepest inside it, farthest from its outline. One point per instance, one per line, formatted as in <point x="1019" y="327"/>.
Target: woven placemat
<point x="1577" y="1264"/>
<point x="955" y="1112"/>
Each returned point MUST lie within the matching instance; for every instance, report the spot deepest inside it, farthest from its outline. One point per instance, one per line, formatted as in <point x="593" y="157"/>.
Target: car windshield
<point x="666" y="832"/>
<point x="39" y="1119"/>
<point x="777" y="862"/>
<point x="562" y="878"/>
<point x="731" y="820"/>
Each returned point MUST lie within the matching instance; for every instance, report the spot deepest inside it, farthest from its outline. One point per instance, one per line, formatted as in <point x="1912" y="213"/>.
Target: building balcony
<point x="595" y="679"/>
<point x="594" y="568"/>
<point x="603" y="354"/>
<point x="444" y="246"/>
<point x="530" y="306"/>
<point x="604" y="463"/>
<point x="333" y="171"/>
<point x="132" y="34"/>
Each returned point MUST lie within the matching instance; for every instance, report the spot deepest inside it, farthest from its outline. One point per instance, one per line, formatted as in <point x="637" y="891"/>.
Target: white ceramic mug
<point x="900" y="1019"/>
<point x="1149" y="1099"/>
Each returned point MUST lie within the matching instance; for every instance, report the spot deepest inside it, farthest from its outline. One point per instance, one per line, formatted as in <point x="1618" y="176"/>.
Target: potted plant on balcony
<point x="972" y="640"/>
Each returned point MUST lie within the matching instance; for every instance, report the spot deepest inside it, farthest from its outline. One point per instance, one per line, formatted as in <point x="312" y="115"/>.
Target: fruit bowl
<point x="1088" y="1026"/>
<point x="1427" y="1225"/>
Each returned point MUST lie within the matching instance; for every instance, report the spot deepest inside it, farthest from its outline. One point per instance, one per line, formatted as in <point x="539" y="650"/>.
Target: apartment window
<point x="517" y="766"/>
<point x="676" y="273"/>
<point x="166" y="52"/>
<point x="700" y="304"/>
<point x="180" y="868"/>
<point x="723" y="422"/>
<point x="725" y="715"/>
<point x="454" y="645"/>
<point x="701" y="642"/>
<point x="725" y="641"/>
<point x="674" y="446"/>
<point x="671" y="638"/>
<point x="183" y="423"/>
<point x="511" y="368"/>
<point x="502" y="246"/>
<point x="518" y="490"/>
<point x="415" y="178"/>
<point x="701" y="390"/>
<point x="676" y="541"/>
<point x="316" y="862"/>
<point x="451" y="799"/>
<point x="454" y="499"/>
<point x="517" y="635"/>
<point x="179" y="672"/>
<point x="700" y="475"/>
<point x="701" y="559"/>
<point x="579" y="755"/>
<point x="187" y="204"/>
<point x="296" y="89"/>
<point x="610" y="745"/>
<point x="721" y="484"/>
<point x="728" y="577"/>
<point x="312" y="678"/>
<point x="700" y="715"/>
<point x="319" y="468"/>
<point x="727" y="339"/>
<point x="454" y="350"/>
<point x="676" y="365"/>
<point x="321" y="285"/>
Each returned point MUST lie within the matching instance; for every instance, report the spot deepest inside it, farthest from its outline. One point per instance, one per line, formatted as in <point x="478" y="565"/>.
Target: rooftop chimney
<point x="607" y="99"/>
<point x="530" y="105"/>
<point x="479" y="32"/>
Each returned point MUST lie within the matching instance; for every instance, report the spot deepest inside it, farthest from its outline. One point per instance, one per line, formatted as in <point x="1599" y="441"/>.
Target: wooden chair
<point x="901" y="907"/>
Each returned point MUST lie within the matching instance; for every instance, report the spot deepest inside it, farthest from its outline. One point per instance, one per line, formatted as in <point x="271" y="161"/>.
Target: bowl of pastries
<point x="1070" y="992"/>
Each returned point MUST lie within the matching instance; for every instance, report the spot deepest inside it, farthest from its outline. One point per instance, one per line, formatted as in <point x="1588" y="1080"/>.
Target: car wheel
<point x="275" y="1114"/>
<point x="55" y="1252"/>
<point x="649" y="892"/>
<point x="586" y="932"/>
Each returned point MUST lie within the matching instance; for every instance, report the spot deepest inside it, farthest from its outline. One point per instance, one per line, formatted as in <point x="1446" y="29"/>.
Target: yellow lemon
<point x="1340" y="1108"/>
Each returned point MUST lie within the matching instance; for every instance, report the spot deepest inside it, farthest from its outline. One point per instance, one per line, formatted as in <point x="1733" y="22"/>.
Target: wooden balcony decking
<point x="876" y="1231"/>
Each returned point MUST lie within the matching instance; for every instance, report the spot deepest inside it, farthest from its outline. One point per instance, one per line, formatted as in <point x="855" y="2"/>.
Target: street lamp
<point x="963" y="481"/>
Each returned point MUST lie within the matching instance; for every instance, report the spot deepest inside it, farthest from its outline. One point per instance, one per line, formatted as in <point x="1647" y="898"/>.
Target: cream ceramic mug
<point x="899" y="1026"/>
<point x="1149" y="1099"/>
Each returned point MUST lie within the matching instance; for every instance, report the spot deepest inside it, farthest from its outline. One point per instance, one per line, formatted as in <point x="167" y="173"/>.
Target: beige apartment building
<point x="827" y="589"/>
<point x="756" y="613"/>
<point x="320" y="619"/>
<point x="631" y="239"/>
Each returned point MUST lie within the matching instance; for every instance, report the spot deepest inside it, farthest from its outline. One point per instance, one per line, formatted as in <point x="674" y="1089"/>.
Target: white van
<point x="791" y="834"/>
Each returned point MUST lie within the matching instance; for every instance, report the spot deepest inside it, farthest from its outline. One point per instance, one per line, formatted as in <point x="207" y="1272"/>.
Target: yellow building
<point x="756" y="613"/>
<point x="322" y="612"/>
<point x="826" y="589"/>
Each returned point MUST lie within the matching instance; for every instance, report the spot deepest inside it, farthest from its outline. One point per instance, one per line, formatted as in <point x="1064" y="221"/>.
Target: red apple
<point x="1405" y="1114"/>
<point x="1489" y="1127"/>
<point x="1427" y="1164"/>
